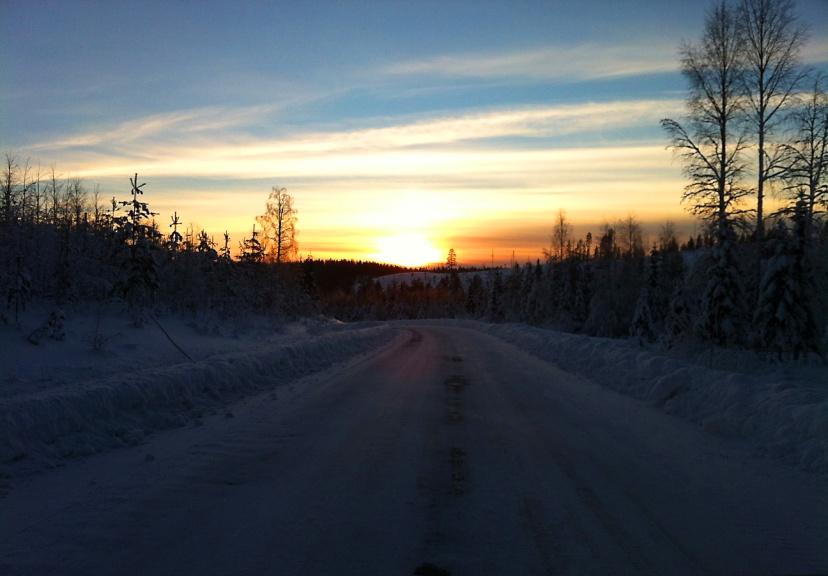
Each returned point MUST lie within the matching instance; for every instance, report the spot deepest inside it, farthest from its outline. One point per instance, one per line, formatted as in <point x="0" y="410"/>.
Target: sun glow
<point x="407" y="249"/>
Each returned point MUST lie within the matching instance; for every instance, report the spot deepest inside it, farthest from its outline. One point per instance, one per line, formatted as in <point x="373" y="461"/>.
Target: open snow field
<point x="435" y="443"/>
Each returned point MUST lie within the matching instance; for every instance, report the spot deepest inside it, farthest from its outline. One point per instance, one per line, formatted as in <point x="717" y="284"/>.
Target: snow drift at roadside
<point x="42" y="428"/>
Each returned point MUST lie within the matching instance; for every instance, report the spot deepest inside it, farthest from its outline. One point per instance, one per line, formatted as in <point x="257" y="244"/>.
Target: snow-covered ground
<point x="99" y="341"/>
<point x="71" y="397"/>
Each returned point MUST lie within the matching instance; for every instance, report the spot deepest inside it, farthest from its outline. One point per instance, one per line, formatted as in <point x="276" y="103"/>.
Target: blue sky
<point x="466" y="123"/>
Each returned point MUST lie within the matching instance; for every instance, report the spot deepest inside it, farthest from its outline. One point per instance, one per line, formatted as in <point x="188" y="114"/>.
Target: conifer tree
<point x="495" y="304"/>
<point x="225" y="248"/>
<point x="140" y="279"/>
<point x="251" y="248"/>
<point x="451" y="261"/>
<point x="722" y="319"/>
<point x="475" y="297"/>
<point x="19" y="290"/>
<point x="678" y="323"/>
<point x="175" y="239"/>
<point x="785" y="319"/>
<point x="206" y="246"/>
<point x="650" y="307"/>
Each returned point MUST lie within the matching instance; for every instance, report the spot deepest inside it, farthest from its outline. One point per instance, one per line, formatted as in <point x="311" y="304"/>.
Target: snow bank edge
<point x="43" y="429"/>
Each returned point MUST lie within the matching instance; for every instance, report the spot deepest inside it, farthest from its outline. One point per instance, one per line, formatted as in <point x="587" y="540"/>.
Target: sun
<point x="407" y="249"/>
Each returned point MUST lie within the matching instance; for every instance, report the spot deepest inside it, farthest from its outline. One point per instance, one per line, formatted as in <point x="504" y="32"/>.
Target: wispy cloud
<point x="815" y="51"/>
<point x="584" y="62"/>
<point x="180" y="123"/>
<point x="214" y="142"/>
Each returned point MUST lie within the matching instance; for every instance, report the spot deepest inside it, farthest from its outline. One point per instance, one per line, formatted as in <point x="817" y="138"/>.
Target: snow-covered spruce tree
<point x="175" y="238"/>
<point x="678" y="323"/>
<point x="475" y="297"/>
<point x="644" y="321"/>
<point x="785" y="322"/>
<point x="495" y="307"/>
<point x="224" y="254"/>
<point x="583" y="292"/>
<point x="723" y="316"/>
<point x="225" y="281"/>
<point x="534" y="292"/>
<point x="139" y="279"/>
<point x="308" y="281"/>
<point x="206" y="247"/>
<point x="647" y="322"/>
<point x="251" y="249"/>
<point x="19" y="289"/>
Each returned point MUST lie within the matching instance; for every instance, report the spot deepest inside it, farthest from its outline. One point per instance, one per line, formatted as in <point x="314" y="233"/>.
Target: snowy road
<point x="448" y="447"/>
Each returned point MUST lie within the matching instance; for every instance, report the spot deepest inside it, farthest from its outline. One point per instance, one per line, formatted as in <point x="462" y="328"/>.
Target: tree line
<point x="61" y="243"/>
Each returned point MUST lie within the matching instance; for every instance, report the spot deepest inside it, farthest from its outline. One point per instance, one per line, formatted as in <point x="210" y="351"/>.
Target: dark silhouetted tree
<point x="807" y="176"/>
<point x="451" y="260"/>
<point x="770" y="40"/>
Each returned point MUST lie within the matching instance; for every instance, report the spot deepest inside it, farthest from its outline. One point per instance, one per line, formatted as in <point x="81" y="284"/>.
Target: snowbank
<point x="785" y="413"/>
<point x="40" y="428"/>
<point x="100" y="341"/>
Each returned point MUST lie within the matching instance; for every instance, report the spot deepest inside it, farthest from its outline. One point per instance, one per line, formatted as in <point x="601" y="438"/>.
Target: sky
<point x="401" y="129"/>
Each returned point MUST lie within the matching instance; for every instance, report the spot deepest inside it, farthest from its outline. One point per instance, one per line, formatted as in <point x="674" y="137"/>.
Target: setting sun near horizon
<point x="412" y="249"/>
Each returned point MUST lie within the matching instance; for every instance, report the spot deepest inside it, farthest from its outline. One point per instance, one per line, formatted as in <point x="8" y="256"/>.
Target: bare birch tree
<point x="712" y="142"/>
<point x="559" y="238"/>
<point x="279" y="224"/>
<point x="771" y="39"/>
<point x="807" y="176"/>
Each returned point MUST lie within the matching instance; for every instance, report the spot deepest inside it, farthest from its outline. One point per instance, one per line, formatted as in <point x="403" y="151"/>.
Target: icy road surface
<point x="448" y="447"/>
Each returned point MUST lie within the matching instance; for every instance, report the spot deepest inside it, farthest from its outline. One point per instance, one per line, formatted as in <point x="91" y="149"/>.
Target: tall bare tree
<point x="630" y="235"/>
<point x="25" y="184"/>
<point x="76" y="201"/>
<point x="771" y="39"/>
<point x="38" y="198"/>
<point x="279" y="224"/>
<point x="807" y="177"/>
<point x="559" y="238"/>
<point x="712" y="142"/>
<point x="97" y="207"/>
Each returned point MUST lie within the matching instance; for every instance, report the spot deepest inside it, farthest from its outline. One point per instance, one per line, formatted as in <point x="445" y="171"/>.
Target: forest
<point x="753" y="146"/>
